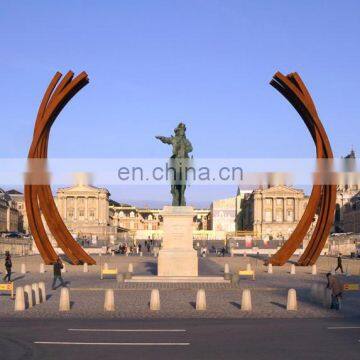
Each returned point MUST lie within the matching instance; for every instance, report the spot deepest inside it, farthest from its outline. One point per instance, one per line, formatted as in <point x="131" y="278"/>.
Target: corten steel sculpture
<point x="323" y="197"/>
<point x="38" y="197"/>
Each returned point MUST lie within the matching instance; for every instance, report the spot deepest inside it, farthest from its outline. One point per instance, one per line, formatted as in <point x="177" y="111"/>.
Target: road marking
<point x="130" y="330"/>
<point x="343" y="327"/>
<point x="108" y="344"/>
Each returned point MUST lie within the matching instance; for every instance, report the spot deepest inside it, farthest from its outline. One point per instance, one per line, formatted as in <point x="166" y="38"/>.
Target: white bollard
<point x="246" y="304"/>
<point x="64" y="304"/>
<point x="106" y="266"/>
<point x="42" y="291"/>
<point x="245" y="254"/>
<point x="226" y="269"/>
<point x="29" y="294"/>
<point x="109" y="303"/>
<point x="23" y="268"/>
<point x="248" y="267"/>
<point x="291" y="300"/>
<point x="270" y="269"/>
<point x="35" y="289"/>
<point x="155" y="300"/>
<point x="201" y="300"/>
<point x="63" y="270"/>
<point x="20" y="299"/>
<point x="86" y="268"/>
<point x="292" y="269"/>
<point x="113" y="253"/>
<point x="42" y="268"/>
<point x="313" y="270"/>
<point x="130" y="268"/>
<point x="141" y="253"/>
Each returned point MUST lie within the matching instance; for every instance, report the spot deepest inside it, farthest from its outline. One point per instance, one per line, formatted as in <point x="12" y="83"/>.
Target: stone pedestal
<point x="177" y="256"/>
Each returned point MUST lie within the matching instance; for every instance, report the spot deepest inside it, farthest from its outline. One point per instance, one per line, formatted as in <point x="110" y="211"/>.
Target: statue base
<point x="177" y="256"/>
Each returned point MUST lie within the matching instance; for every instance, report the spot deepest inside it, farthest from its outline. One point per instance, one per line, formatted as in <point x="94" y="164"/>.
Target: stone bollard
<point x="245" y="254"/>
<point x="226" y="268"/>
<point x="248" y="267"/>
<point x="29" y="295"/>
<point x="201" y="300"/>
<point x="106" y="266"/>
<point x="20" y="299"/>
<point x="270" y="269"/>
<point x="155" y="300"/>
<point x="64" y="304"/>
<point x="23" y="268"/>
<point x="246" y="304"/>
<point x="130" y="268"/>
<point x="63" y="270"/>
<point x="291" y="300"/>
<point x="109" y="303"/>
<point x="113" y="253"/>
<point x="42" y="268"/>
<point x="313" y="270"/>
<point x="86" y="267"/>
<point x="141" y="253"/>
<point x="120" y="278"/>
<point x="326" y="300"/>
<point x="42" y="291"/>
<point x="292" y="269"/>
<point x="35" y="289"/>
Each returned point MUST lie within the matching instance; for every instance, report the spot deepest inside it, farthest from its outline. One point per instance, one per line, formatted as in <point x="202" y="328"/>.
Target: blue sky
<point x="154" y="63"/>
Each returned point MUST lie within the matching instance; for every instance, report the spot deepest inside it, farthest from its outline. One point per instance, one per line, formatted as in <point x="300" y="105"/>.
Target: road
<point x="180" y="339"/>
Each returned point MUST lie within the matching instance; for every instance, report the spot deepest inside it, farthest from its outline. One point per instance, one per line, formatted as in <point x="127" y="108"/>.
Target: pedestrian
<point x="57" y="273"/>
<point x="336" y="288"/>
<point x="8" y="266"/>
<point x="339" y="264"/>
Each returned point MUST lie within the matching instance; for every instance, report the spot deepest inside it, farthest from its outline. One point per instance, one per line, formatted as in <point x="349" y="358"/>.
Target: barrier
<point x="155" y="300"/>
<point x="108" y="272"/>
<point x="351" y="287"/>
<point x="247" y="273"/>
<point x="246" y="304"/>
<point x="20" y="299"/>
<point x="201" y="300"/>
<point x="8" y="287"/>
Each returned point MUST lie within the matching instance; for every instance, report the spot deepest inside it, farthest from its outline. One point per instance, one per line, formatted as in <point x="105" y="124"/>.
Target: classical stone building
<point x="224" y="213"/>
<point x="274" y="212"/>
<point x="85" y="210"/>
<point x="9" y="215"/>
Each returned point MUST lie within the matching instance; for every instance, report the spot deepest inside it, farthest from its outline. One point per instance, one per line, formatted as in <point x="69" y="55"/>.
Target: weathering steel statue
<point x="178" y="163"/>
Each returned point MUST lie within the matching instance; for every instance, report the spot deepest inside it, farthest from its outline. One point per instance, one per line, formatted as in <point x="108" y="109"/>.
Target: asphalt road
<point x="180" y="339"/>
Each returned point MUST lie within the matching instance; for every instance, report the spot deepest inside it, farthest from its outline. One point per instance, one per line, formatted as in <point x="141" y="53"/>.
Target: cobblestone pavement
<point x="269" y="291"/>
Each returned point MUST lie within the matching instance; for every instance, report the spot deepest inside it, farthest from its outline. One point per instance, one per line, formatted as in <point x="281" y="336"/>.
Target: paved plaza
<point x="268" y="291"/>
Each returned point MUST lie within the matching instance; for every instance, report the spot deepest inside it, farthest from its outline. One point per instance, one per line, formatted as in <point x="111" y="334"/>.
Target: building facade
<point x="274" y="212"/>
<point x="9" y="215"/>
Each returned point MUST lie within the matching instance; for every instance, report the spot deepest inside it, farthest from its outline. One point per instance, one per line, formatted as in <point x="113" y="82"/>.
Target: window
<point x="290" y="215"/>
<point x="81" y="213"/>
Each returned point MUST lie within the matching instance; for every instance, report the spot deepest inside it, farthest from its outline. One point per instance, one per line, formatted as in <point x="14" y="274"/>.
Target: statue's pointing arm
<point x="165" y="140"/>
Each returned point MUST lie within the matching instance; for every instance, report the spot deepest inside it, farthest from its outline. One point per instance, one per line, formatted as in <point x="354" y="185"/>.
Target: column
<point x="75" y="207"/>
<point x="284" y="210"/>
<point x="86" y="208"/>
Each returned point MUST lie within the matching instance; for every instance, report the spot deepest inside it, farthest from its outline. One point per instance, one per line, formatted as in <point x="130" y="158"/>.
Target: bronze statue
<point x="179" y="163"/>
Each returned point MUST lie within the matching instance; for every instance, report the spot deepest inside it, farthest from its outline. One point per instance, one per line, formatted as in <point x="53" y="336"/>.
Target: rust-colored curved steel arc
<point x="295" y="91"/>
<point x="38" y="198"/>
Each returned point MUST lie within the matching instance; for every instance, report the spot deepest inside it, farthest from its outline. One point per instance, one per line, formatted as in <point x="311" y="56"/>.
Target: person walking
<point x="339" y="264"/>
<point x="8" y="266"/>
<point x="57" y="273"/>
<point x="336" y="288"/>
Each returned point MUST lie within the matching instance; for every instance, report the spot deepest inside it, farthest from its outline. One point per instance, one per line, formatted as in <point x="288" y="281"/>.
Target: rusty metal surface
<point x="38" y="198"/>
<point x="323" y="197"/>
